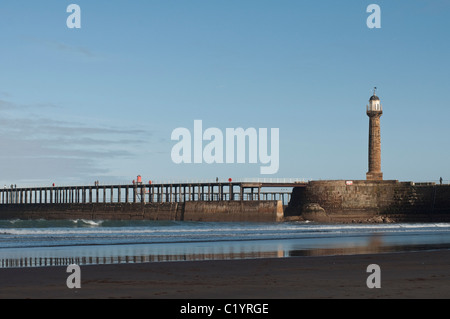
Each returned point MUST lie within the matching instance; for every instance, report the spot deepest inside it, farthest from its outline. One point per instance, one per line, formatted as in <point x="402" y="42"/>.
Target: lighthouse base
<point x="374" y="176"/>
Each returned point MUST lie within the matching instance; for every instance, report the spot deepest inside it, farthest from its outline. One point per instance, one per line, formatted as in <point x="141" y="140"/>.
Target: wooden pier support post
<point x="158" y="194"/>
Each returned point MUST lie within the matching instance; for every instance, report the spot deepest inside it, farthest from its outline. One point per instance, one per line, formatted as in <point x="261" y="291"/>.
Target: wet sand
<point x="403" y="275"/>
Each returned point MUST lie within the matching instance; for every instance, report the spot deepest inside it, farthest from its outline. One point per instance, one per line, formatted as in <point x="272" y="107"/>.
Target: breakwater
<point x="370" y="201"/>
<point x="263" y="211"/>
<point x="232" y="201"/>
<point x="338" y="201"/>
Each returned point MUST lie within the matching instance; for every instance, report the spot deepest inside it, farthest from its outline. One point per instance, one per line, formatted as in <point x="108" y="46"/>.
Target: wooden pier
<point x="149" y="193"/>
<point x="202" y="201"/>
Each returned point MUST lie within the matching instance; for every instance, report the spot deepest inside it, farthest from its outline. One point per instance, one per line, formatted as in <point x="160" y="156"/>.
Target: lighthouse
<point x="374" y="111"/>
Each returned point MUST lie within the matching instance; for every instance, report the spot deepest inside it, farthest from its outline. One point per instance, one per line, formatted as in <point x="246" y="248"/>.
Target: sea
<point x="45" y="243"/>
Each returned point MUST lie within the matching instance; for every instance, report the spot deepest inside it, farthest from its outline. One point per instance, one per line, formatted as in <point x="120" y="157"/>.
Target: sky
<point x="100" y="102"/>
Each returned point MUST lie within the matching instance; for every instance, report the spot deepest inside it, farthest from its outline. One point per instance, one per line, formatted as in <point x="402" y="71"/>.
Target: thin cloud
<point x="49" y="127"/>
<point x="5" y="105"/>
<point x="8" y="105"/>
<point x="89" y="141"/>
<point x="62" y="149"/>
<point x="63" y="47"/>
<point x="5" y="94"/>
<point x="70" y="49"/>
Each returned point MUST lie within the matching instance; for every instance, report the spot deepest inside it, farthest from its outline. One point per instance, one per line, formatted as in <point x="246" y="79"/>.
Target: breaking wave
<point x="16" y="233"/>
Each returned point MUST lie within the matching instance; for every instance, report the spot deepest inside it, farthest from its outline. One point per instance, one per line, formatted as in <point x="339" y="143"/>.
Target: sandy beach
<point x="403" y="275"/>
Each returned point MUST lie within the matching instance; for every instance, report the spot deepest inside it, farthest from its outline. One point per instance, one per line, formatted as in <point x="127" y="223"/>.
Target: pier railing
<point x="152" y="193"/>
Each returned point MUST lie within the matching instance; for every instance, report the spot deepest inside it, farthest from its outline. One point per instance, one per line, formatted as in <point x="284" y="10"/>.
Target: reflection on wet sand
<point x="374" y="245"/>
<point x="49" y="261"/>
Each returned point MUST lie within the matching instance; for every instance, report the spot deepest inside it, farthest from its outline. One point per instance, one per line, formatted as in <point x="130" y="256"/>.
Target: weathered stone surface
<point x="373" y="201"/>
<point x="268" y="211"/>
<point x="314" y="212"/>
<point x="262" y="211"/>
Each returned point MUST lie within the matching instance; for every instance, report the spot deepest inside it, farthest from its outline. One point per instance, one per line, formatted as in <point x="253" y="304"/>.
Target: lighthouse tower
<point x="374" y="112"/>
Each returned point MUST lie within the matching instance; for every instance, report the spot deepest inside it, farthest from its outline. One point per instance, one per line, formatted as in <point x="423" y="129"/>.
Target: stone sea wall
<point x="370" y="201"/>
<point x="264" y="211"/>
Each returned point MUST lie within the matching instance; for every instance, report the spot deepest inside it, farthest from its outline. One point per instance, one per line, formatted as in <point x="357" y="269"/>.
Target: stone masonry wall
<point x="193" y="211"/>
<point x="360" y="201"/>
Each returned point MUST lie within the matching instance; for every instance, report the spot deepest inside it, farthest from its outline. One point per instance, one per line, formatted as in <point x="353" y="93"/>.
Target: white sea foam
<point x="91" y="222"/>
<point x="219" y="229"/>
